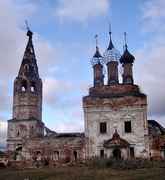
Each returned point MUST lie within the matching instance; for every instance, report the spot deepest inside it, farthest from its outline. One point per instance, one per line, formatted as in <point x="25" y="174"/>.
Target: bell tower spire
<point x="29" y="68"/>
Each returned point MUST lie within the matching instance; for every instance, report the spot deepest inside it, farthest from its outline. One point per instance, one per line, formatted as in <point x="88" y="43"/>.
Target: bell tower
<point x="27" y="101"/>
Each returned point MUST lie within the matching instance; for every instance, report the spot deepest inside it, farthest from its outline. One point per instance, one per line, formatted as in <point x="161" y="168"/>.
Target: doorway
<point x="117" y="154"/>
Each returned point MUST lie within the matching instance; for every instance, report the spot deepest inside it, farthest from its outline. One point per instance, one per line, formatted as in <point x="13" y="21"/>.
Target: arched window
<point x="56" y="155"/>
<point x="33" y="87"/>
<point x="18" y="153"/>
<point x="26" y="67"/>
<point x="38" y="156"/>
<point x="23" y="86"/>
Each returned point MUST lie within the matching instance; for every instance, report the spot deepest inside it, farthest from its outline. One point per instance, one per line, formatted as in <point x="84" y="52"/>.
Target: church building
<point x="115" y="116"/>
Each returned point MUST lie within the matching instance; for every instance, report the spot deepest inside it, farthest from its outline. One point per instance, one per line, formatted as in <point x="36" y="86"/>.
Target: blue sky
<point x="64" y="42"/>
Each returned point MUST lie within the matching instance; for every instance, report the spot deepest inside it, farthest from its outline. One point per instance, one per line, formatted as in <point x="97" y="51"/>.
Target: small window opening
<point x="103" y="127"/>
<point x="23" y="89"/>
<point x="56" y="155"/>
<point x="26" y="67"/>
<point x="23" y="86"/>
<point x="102" y="153"/>
<point x="33" y="87"/>
<point x="75" y="155"/>
<point x="132" y="152"/>
<point x="38" y="153"/>
<point x="128" y="128"/>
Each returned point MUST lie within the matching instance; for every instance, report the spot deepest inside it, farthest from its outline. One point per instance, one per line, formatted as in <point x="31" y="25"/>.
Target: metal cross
<point x="27" y="25"/>
<point x="96" y="37"/>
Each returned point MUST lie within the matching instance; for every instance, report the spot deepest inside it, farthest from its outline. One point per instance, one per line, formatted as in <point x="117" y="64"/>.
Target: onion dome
<point x="111" y="54"/>
<point x="127" y="57"/>
<point x="97" y="58"/>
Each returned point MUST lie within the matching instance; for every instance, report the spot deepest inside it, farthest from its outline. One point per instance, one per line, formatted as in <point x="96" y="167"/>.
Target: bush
<point x="124" y="164"/>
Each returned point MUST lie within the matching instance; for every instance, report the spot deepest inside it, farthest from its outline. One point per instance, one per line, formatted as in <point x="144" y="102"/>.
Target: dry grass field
<point x="83" y="173"/>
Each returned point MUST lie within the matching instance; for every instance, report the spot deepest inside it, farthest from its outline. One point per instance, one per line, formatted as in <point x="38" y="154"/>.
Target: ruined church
<point x="115" y="116"/>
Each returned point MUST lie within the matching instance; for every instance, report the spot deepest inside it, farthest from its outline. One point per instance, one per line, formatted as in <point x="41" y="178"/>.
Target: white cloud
<point x="81" y="11"/>
<point x="75" y="125"/>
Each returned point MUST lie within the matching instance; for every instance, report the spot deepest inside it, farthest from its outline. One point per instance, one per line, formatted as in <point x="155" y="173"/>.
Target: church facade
<point x="115" y="116"/>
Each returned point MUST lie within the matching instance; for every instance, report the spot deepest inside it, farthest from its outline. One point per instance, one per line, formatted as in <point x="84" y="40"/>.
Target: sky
<point x="64" y="42"/>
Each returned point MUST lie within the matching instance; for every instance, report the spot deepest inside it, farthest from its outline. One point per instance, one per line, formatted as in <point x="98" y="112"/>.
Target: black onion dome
<point x="127" y="57"/>
<point x="111" y="46"/>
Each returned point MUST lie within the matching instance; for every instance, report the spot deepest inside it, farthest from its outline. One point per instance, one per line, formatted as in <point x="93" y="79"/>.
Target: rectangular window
<point x="132" y="152"/>
<point x="102" y="153"/>
<point x="128" y="128"/>
<point x="103" y="127"/>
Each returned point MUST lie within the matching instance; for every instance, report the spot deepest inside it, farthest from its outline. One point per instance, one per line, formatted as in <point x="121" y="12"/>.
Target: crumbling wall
<point x="54" y="150"/>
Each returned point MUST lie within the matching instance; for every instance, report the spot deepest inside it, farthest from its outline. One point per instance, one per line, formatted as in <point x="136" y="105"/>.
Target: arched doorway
<point x="18" y="153"/>
<point x="117" y="154"/>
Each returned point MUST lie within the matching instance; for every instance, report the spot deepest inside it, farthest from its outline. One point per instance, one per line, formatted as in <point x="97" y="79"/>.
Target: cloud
<point x="153" y="15"/>
<point x="13" y="41"/>
<point x="76" y="124"/>
<point x="54" y="90"/>
<point x="150" y="59"/>
<point x="78" y="11"/>
<point x="152" y="77"/>
<point x="3" y="133"/>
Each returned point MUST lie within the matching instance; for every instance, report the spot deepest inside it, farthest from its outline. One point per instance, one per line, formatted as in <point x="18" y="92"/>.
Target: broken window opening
<point x="56" y="155"/>
<point x="132" y="152"/>
<point x="128" y="128"/>
<point x="103" y="127"/>
<point x="102" y="153"/>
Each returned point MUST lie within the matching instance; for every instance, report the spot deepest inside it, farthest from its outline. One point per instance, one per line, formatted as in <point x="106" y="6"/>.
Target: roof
<point x="127" y="57"/>
<point x="66" y="135"/>
<point x="70" y="135"/>
<point x="111" y="54"/>
<point x="155" y="128"/>
<point x="116" y="141"/>
<point x="29" y="65"/>
<point x="97" y="58"/>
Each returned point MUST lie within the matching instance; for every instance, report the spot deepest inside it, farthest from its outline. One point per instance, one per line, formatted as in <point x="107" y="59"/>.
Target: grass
<point x="82" y="173"/>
